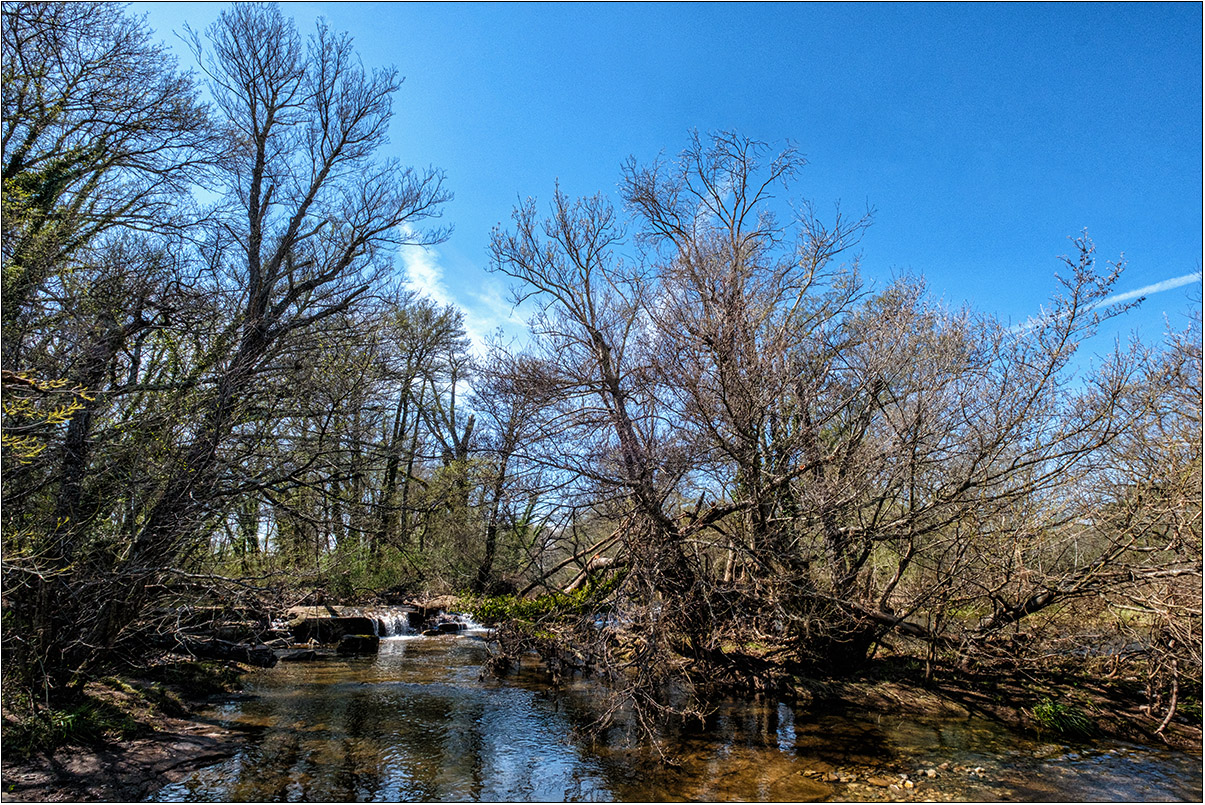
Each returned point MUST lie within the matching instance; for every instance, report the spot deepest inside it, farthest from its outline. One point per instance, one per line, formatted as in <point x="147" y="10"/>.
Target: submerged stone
<point x="304" y="655"/>
<point x="359" y="644"/>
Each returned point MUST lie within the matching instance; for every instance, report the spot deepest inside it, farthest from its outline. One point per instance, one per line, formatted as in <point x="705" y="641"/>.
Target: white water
<point x="472" y="627"/>
<point x="393" y="623"/>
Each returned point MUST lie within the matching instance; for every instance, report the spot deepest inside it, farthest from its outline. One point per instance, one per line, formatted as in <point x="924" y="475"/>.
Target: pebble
<point x="909" y="784"/>
<point x="930" y="772"/>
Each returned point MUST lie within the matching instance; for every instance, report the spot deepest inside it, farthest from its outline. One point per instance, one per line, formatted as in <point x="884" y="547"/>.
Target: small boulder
<point x="214" y="649"/>
<point x="359" y="644"/>
<point x="444" y="602"/>
<point x="327" y="624"/>
<point x="305" y="655"/>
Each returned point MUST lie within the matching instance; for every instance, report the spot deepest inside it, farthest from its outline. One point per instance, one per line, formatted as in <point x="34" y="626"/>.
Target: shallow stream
<point x="416" y="722"/>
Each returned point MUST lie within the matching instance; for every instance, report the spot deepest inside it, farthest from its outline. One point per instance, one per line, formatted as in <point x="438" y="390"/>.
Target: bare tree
<point x="744" y="308"/>
<point x="419" y="331"/>
<point x="510" y="410"/>
<point x="603" y="425"/>
<point x="806" y="463"/>
<point x="315" y="213"/>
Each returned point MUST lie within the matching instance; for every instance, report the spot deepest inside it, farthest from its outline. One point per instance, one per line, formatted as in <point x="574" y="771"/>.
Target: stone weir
<point x="328" y="624"/>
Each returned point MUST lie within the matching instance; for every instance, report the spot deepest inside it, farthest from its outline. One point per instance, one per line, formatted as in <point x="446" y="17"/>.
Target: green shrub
<point x="499" y="608"/>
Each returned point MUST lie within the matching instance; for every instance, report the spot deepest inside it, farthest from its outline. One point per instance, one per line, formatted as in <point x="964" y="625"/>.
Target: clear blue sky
<point x="983" y="135"/>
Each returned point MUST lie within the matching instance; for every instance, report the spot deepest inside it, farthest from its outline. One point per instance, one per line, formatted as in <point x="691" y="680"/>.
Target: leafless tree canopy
<point x="808" y="462"/>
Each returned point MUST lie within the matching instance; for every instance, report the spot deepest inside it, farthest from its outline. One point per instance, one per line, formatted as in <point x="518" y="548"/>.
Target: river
<point x="416" y="722"/>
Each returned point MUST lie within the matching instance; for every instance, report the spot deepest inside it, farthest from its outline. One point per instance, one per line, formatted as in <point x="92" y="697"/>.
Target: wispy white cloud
<point x="484" y="307"/>
<point x="424" y="274"/>
<point x="501" y="309"/>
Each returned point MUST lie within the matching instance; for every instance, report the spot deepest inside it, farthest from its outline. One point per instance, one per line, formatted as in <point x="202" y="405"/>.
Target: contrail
<point x="1166" y="285"/>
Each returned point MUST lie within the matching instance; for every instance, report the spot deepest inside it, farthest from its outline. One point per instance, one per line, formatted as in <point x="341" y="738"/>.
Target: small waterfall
<point x="393" y="622"/>
<point x="472" y="627"/>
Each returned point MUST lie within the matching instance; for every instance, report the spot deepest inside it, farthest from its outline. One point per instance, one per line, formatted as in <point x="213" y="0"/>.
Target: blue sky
<point x="983" y="135"/>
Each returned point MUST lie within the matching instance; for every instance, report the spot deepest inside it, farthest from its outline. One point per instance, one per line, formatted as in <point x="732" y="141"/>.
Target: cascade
<point x="393" y="623"/>
<point x="471" y="625"/>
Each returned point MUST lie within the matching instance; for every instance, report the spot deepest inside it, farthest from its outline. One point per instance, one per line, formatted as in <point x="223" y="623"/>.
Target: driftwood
<point x="595" y="564"/>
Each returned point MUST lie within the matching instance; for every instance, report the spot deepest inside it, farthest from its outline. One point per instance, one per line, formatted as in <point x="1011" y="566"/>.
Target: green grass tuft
<point x="88" y="723"/>
<point x="1063" y="719"/>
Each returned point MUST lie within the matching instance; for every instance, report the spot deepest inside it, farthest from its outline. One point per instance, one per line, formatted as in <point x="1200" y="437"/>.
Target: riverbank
<point x="1114" y="711"/>
<point x="147" y="730"/>
<point x="127" y="771"/>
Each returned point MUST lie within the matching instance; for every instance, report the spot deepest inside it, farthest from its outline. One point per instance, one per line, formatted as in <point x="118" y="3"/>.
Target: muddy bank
<point x="124" y="772"/>
<point x="147" y="729"/>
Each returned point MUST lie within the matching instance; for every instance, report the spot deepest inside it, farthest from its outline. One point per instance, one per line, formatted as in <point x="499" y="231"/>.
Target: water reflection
<point x="416" y="723"/>
<point x="413" y="723"/>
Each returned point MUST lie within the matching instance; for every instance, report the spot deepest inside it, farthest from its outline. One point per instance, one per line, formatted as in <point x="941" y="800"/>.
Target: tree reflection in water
<point x="417" y="723"/>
